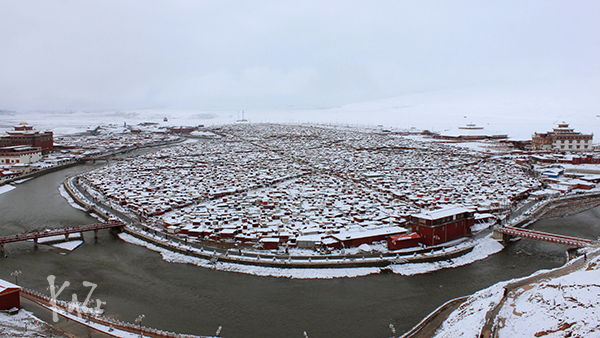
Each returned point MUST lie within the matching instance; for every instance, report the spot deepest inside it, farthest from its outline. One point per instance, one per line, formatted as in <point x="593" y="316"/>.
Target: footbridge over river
<point x="509" y="231"/>
<point x="115" y="225"/>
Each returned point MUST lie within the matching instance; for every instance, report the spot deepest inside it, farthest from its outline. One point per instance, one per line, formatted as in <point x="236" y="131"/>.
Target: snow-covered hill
<point x="563" y="302"/>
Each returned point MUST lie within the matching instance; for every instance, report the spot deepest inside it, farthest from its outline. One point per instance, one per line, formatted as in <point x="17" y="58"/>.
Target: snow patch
<point x="553" y="306"/>
<point x="23" y="324"/>
<point x="63" y="192"/>
<point x="566" y="306"/>
<point x="469" y="318"/>
<point x="174" y="257"/>
<point x="6" y="188"/>
<point x="57" y="238"/>
<point x="485" y="247"/>
<point x="70" y="246"/>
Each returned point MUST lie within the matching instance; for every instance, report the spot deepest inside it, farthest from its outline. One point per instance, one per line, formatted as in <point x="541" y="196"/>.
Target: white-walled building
<point x="20" y="155"/>
<point x="562" y="138"/>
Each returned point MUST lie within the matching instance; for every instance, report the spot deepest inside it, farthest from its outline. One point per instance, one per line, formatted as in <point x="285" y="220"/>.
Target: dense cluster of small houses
<point x="107" y="142"/>
<point x="306" y="186"/>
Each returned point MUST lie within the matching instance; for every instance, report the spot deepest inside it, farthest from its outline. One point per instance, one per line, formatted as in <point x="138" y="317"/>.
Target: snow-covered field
<point x="516" y="111"/>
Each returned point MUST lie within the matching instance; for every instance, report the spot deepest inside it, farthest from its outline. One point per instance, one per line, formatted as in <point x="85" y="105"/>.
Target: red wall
<point x="443" y="233"/>
<point x="9" y="299"/>
<point x="407" y="243"/>
<point x="43" y="140"/>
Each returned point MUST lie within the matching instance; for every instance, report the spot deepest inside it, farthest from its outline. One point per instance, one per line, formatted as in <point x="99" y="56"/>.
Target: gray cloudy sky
<point x="128" y="54"/>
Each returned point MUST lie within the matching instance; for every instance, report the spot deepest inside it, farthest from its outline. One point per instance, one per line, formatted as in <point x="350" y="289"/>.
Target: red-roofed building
<point x="396" y="242"/>
<point x="352" y="239"/>
<point x="9" y="295"/>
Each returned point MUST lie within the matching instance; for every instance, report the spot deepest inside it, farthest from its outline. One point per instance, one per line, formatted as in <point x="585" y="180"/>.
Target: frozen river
<point x="184" y="298"/>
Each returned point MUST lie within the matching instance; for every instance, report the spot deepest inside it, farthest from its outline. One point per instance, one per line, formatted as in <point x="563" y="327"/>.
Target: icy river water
<point x="133" y="280"/>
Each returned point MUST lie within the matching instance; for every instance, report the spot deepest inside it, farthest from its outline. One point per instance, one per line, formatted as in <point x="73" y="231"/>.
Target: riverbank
<point x="38" y="173"/>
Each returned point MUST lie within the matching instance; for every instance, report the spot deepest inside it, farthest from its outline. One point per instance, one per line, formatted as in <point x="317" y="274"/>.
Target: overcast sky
<point x="129" y="54"/>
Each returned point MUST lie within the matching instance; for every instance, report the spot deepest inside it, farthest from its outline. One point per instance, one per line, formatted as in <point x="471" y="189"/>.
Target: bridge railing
<point x="545" y="236"/>
<point x="59" y="231"/>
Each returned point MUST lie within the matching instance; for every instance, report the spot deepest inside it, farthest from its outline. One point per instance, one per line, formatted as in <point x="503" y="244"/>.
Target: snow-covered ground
<point x="66" y="196"/>
<point x="484" y="248"/>
<point x="516" y="111"/>
<point x="557" y="305"/>
<point x="25" y="325"/>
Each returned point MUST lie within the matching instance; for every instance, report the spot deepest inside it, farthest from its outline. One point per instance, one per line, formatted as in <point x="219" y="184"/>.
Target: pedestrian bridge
<point x="544" y="236"/>
<point x="59" y="232"/>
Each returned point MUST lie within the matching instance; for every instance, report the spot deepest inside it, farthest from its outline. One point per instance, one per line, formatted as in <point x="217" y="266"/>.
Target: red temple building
<point x="25" y="135"/>
<point x="443" y="225"/>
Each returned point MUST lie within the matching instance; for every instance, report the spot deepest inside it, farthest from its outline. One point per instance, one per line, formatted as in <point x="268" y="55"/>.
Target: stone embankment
<point x="427" y="327"/>
<point x="558" y="207"/>
<point x="38" y="173"/>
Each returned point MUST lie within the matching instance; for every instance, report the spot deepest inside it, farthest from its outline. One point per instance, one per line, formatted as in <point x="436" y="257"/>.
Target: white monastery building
<point x="562" y="138"/>
<point x="20" y="155"/>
